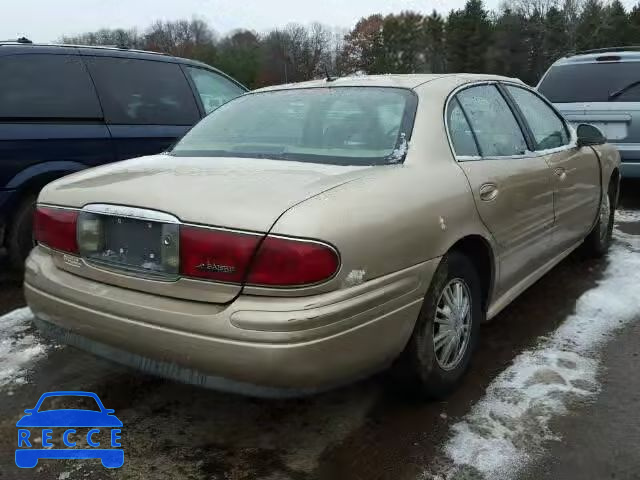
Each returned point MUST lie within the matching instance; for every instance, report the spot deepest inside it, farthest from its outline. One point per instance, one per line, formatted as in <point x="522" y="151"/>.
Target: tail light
<point x="227" y="256"/>
<point x="56" y="228"/>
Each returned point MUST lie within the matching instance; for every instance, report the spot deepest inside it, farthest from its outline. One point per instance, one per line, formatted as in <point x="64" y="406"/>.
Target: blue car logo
<point x="69" y="419"/>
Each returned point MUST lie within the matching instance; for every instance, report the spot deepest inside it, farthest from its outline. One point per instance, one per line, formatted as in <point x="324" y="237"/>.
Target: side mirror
<point x="589" y="135"/>
<point x="29" y="410"/>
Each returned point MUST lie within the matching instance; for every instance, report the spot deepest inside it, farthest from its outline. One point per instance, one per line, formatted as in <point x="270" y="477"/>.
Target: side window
<point x="495" y="127"/>
<point x="460" y="131"/>
<point x="135" y="92"/>
<point x="549" y="131"/>
<point x="214" y="89"/>
<point x="46" y="86"/>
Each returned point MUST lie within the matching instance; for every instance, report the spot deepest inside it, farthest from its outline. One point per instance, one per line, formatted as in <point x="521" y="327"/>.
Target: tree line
<point x="520" y="40"/>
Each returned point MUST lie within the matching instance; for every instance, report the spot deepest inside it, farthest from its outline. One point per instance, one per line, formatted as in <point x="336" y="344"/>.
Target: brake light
<point x="287" y="262"/>
<point x="56" y="228"/>
<point x="227" y="256"/>
<point x="215" y="254"/>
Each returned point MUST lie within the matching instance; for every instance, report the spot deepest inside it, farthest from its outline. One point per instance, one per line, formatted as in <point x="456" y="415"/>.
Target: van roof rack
<point x="628" y="48"/>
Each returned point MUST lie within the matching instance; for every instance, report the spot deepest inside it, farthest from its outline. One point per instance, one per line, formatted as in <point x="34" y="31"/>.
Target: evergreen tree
<point x="616" y="29"/>
<point x="434" y="27"/>
<point x="403" y="43"/>
<point x="556" y="42"/>
<point x="590" y="31"/>
<point x="468" y="36"/>
<point x="508" y="53"/>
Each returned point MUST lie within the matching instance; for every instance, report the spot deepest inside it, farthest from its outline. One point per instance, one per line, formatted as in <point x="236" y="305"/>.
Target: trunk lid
<point x="138" y="198"/>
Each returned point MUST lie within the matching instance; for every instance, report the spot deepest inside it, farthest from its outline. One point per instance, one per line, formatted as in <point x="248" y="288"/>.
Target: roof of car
<point x="632" y="54"/>
<point x="21" y="47"/>
<point x="13" y="47"/>
<point x="390" y="80"/>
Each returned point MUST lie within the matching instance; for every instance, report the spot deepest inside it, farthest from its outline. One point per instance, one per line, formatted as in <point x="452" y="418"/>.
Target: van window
<point x="135" y="92"/>
<point x="46" y="86"/>
<point x="592" y="82"/>
<point x="214" y="89"/>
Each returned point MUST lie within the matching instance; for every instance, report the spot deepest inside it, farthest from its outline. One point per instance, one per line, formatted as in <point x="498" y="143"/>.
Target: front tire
<point x="446" y="332"/>
<point x="597" y="242"/>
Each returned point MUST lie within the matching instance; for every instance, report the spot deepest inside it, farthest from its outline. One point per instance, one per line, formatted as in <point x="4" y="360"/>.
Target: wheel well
<point x="478" y="250"/>
<point x="614" y="186"/>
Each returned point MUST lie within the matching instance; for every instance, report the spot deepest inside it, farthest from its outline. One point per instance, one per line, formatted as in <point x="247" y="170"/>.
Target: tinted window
<point x="592" y="82"/>
<point x="341" y="125"/>
<point x="46" y="86"/>
<point x="214" y="89"/>
<point x="143" y="92"/>
<point x="495" y="127"/>
<point x="460" y="131"/>
<point x="549" y="131"/>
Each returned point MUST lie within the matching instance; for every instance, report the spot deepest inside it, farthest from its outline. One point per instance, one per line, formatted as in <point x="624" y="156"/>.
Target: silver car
<point x="601" y="87"/>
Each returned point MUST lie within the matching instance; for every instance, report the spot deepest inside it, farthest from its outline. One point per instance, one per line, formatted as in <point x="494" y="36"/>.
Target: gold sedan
<point x="303" y="236"/>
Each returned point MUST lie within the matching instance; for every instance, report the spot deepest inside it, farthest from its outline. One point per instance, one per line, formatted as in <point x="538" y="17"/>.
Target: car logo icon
<point x="37" y="419"/>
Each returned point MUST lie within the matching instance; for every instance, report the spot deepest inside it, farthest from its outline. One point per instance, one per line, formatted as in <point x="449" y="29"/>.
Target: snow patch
<point x="627" y="216"/>
<point x="400" y="151"/>
<point x="507" y="427"/>
<point x="19" y="348"/>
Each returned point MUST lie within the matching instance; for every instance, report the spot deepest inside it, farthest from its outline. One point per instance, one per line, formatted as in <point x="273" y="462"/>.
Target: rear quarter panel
<point x="397" y="216"/>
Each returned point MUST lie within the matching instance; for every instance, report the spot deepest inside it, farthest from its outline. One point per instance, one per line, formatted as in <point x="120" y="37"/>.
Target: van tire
<point x="20" y="233"/>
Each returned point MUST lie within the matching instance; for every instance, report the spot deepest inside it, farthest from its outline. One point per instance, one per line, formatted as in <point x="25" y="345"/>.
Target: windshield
<point x="592" y="82"/>
<point x="338" y="125"/>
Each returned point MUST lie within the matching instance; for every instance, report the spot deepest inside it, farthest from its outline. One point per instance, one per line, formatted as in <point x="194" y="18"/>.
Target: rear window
<point x="46" y="86"/>
<point x="143" y="92"/>
<point x="592" y="82"/>
<point x="338" y="125"/>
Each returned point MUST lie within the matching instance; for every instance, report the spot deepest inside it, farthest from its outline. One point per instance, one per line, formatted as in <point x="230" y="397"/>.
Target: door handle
<point x="561" y="173"/>
<point x="488" y="192"/>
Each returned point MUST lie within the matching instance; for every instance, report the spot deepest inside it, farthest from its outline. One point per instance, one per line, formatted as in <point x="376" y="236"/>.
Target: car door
<point x="576" y="171"/>
<point x="148" y="105"/>
<point x="511" y="186"/>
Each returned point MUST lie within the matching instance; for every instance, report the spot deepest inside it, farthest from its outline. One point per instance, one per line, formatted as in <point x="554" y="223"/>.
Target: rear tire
<point x="424" y="367"/>
<point x="20" y="233"/>
<point x="597" y="242"/>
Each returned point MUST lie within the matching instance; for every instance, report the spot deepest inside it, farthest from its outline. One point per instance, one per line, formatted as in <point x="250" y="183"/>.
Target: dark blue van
<point x="64" y="108"/>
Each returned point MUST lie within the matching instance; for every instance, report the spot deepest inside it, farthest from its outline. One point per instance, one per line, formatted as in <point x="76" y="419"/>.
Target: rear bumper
<point x="263" y="346"/>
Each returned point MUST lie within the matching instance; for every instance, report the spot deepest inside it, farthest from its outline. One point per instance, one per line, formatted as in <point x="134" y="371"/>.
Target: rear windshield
<point x="592" y="82"/>
<point x="337" y="125"/>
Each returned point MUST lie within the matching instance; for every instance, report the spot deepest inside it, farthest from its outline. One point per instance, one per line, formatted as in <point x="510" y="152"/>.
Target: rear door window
<point x="214" y="89"/>
<point x="592" y="82"/>
<point x="549" y="130"/>
<point x="139" y="92"/>
<point x="460" y="131"/>
<point x="46" y="86"/>
<point x="492" y="120"/>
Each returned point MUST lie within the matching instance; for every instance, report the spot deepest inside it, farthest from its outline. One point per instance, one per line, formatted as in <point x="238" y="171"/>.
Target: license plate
<point x="129" y="244"/>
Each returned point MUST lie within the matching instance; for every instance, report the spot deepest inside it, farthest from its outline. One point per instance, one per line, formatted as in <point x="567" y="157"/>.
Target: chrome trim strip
<point x="130" y="212"/>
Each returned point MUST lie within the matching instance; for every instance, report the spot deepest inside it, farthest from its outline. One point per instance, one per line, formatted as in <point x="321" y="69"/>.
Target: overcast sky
<point x="48" y="20"/>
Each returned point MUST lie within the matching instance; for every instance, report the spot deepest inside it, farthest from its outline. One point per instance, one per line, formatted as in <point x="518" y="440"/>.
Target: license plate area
<point x="141" y="247"/>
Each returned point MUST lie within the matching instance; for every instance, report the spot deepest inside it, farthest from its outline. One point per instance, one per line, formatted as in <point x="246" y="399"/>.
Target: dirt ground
<point x="365" y="431"/>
